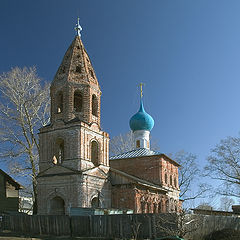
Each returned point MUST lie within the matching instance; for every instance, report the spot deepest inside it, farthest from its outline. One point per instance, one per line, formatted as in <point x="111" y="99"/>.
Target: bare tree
<point x="224" y="165"/>
<point x="24" y="108"/>
<point x="122" y="143"/>
<point x="135" y="225"/>
<point x="189" y="176"/>
<point x="125" y="142"/>
<point x="178" y="224"/>
<point x="226" y="203"/>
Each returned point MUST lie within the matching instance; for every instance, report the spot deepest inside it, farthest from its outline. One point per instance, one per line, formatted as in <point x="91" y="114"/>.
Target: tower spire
<point x="78" y="28"/>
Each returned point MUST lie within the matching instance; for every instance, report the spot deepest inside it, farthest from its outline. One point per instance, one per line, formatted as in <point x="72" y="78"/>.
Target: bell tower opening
<point x="59" y="151"/>
<point x="94" y="105"/>
<point x="94" y="153"/>
<point x="78" y="69"/>
<point x="78" y="101"/>
<point x="60" y="102"/>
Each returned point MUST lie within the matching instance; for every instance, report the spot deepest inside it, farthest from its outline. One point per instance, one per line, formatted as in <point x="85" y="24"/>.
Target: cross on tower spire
<point x="78" y="28"/>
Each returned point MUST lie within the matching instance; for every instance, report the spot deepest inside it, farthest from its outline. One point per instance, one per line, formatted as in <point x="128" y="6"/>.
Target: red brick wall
<point x="150" y="168"/>
<point x="143" y="167"/>
<point x="138" y="199"/>
<point x="171" y="171"/>
<point x="123" y="196"/>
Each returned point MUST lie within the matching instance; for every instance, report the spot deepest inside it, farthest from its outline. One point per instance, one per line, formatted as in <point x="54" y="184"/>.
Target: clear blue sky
<point x="186" y="52"/>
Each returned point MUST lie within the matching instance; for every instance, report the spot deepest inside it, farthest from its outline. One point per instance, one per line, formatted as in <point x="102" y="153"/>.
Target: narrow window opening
<point x="94" y="105"/>
<point x="171" y="180"/>
<point x="94" y="153"/>
<point x="78" y="101"/>
<point x="61" y="152"/>
<point x="160" y="207"/>
<point x="138" y="144"/>
<point x="149" y="210"/>
<point x="155" y="207"/>
<point x="58" y="158"/>
<point x="166" y="178"/>
<point x="59" y="102"/>
<point x="175" y="182"/>
<point x="78" y="69"/>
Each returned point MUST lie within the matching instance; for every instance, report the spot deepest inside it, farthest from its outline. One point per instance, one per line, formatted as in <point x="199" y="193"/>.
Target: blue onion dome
<point x="141" y="120"/>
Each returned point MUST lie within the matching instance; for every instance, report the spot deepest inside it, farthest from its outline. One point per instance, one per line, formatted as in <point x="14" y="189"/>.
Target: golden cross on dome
<point x="141" y="89"/>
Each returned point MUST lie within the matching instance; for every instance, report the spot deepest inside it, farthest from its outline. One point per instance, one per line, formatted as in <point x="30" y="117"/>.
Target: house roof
<point x="213" y="212"/>
<point x="140" y="152"/>
<point x="11" y="180"/>
<point x="138" y="180"/>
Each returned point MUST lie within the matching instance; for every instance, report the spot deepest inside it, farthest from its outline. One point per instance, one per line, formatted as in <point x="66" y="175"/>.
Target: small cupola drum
<point x="141" y="124"/>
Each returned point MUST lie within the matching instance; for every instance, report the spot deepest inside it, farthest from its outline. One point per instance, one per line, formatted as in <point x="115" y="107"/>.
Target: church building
<point x="75" y="170"/>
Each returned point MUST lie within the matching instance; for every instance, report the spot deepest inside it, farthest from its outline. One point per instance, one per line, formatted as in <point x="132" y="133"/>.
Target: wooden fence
<point x="212" y="223"/>
<point x="108" y="226"/>
<point x="112" y="226"/>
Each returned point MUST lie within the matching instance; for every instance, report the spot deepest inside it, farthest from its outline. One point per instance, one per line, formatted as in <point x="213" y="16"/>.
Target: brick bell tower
<point x="74" y="151"/>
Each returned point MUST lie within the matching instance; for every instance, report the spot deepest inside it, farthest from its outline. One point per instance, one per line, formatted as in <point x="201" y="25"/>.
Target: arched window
<point x="160" y="207"/>
<point x="166" y="178"/>
<point x="60" y="150"/>
<point x="138" y="144"/>
<point x="59" y="102"/>
<point x="149" y="209"/>
<point x="175" y="182"/>
<point x="78" y="101"/>
<point x="94" y="153"/>
<point x="94" y="105"/>
<point x="155" y="208"/>
<point x="170" y="180"/>
<point x="95" y="203"/>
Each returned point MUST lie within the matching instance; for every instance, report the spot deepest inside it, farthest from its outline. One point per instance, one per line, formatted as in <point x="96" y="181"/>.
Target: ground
<point x="8" y="235"/>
